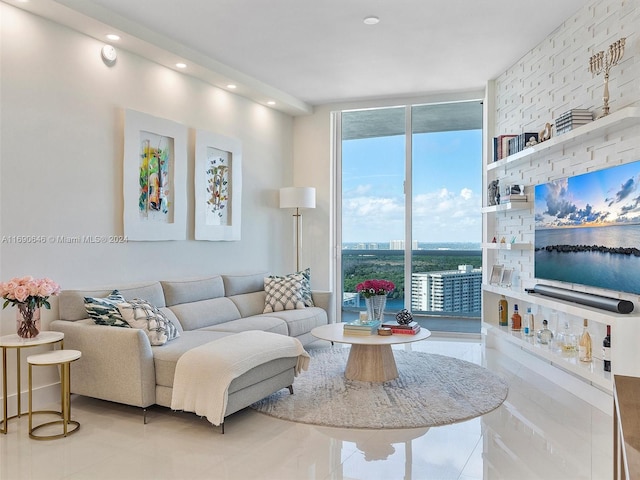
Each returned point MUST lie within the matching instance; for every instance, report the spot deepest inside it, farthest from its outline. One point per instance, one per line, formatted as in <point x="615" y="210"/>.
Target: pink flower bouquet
<point x="370" y="288"/>
<point x="28" y="291"/>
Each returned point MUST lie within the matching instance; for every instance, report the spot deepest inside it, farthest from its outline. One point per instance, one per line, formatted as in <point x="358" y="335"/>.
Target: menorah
<point x="602" y="62"/>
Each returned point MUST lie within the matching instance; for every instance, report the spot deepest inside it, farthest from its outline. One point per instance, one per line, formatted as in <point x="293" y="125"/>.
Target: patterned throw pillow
<point x="141" y="314"/>
<point x="306" y="288"/>
<point x="283" y="293"/>
<point x="104" y="311"/>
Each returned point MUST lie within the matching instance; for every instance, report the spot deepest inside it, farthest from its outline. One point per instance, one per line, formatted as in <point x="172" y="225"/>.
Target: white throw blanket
<point x="203" y="374"/>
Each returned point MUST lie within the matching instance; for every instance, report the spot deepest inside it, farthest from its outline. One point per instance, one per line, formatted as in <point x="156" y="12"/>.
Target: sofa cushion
<point x="303" y="321"/>
<point x="261" y="322"/>
<point x="71" y="302"/>
<point x="283" y="293"/>
<point x="165" y="357"/>
<point x="307" y="298"/>
<point x="193" y="290"/>
<point x="104" y="310"/>
<point x="141" y="314"/>
<point x="239" y="284"/>
<point x="249" y="303"/>
<point x="205" y="313"/>
<point x="172" y="318"/>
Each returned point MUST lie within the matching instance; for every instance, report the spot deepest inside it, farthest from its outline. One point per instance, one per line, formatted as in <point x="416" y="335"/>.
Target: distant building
<point x="396" y="245"/>
<point x="399" y="245"/>
<point x="447" y="291"/>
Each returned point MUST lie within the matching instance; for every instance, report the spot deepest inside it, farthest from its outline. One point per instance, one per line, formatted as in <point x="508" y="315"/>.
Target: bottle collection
<point x="563" y="340"/>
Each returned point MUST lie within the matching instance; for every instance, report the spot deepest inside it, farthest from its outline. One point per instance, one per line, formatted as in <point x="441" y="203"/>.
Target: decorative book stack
<point x="501" y="146"/>
<point x="572" y="119"/>
<point x="409" y="329"/>
<point x="361" y="328"/>
<point x="513" y="197"/>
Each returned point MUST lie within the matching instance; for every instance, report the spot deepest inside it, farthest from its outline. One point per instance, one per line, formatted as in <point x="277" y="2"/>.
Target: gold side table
<point x="15" y="342"/>
<point x="63" y="359"/>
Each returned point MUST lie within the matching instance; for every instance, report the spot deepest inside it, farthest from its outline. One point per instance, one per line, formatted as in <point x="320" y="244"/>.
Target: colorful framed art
<point x="154" y="178"/>
<point x="218" y="187"/>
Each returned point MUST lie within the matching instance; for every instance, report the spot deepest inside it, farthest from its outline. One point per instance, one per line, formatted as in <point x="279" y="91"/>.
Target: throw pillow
<point x="141" y="314"/>
<point x="306" y="288"/>
<point x="104" y="311"/>
<point x="283" y="293"/>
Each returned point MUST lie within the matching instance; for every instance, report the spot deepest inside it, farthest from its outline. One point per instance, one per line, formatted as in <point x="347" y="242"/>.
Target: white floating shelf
<point x="506" y="246"/>
<point x="507" y="206"/>
<point x="563" y="306"/>
<point x="590" y="371"/>
<point x="616" y="121"/>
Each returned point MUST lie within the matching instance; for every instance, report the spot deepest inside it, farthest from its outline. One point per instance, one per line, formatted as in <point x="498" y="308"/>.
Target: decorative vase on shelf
<point x="27" y="321"/>
<point x="375" y="307"/>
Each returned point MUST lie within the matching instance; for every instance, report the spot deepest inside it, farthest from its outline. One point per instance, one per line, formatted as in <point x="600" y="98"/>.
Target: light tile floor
<point x="540" y="432"/>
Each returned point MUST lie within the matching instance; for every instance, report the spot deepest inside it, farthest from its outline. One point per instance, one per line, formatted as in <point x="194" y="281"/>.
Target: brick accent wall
<point x="547" y="82"/>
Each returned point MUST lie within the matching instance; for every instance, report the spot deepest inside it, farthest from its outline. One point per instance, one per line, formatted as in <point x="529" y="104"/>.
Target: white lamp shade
<point x="298" y="197"/>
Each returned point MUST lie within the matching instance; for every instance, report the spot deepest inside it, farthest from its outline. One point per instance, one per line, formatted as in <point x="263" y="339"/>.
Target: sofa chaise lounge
<point x="120" y="364"/>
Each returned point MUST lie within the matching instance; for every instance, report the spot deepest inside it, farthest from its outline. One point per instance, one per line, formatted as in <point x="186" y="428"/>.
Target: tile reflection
<point x="541" y="431"/>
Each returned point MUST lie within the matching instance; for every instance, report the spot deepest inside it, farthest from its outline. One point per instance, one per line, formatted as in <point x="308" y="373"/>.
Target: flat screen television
<point x="587" y="229"/>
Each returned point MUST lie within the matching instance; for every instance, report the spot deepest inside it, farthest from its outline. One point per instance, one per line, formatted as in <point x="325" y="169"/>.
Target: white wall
<point x="553" y="78"/>
<point x="62" y="155"/>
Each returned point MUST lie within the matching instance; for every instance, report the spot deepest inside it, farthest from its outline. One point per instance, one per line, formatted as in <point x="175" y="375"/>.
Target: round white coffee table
<point x="371" y="357"/>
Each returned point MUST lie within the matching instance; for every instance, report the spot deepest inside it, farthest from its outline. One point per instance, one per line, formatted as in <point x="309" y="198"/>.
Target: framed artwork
<point x="218" y="187"/>
<point x="154" y="178"/>
<point x="496" y="275"/>
<point x="507" y="277"/>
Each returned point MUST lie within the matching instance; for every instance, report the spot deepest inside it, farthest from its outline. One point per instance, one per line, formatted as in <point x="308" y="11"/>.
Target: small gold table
<point x="17" y="343"/>
<point x="63" y="359"/>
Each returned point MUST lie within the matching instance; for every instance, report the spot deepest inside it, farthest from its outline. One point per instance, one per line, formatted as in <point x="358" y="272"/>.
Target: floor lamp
<point x="298" y="197"/>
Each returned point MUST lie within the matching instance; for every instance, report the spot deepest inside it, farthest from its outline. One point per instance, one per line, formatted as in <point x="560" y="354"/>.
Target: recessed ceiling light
<point x="181" y="65"/>
<point x="271" y="102"/>
<point x="113" y="36"/>
<point x="232" y="86"/>
<point x="371" y="20"/>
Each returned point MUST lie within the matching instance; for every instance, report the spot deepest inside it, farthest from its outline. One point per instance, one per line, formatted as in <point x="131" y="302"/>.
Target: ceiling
<point x="304" y="53"/>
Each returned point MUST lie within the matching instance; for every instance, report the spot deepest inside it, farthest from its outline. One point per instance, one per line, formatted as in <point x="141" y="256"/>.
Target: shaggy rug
<point x="431" y="390"/>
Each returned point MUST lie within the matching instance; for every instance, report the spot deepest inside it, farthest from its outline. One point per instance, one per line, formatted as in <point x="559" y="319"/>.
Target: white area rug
<point x="431" y="390"/>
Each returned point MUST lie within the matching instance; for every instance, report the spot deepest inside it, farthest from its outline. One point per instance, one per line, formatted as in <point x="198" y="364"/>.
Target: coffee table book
<point x="408" y="326"/>
<point x="405" y="331"/>
<point x="356" y="328"/>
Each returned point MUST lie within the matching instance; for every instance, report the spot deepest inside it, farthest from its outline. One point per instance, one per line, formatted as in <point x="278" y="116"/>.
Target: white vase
<point x="375" y="307"/>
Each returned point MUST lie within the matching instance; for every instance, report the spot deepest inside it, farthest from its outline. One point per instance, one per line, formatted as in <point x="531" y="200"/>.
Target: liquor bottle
<point x="516" y="319"/>
<point x="584" y="347"/>
<point x="545" y="335"/>
<point x="503" y="312"/>
<point x="569" y="342"/>
<point x="528" y="323"/>
<point x="606" y="350"/>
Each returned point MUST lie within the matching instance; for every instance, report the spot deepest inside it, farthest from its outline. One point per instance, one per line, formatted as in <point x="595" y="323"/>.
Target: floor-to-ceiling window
<point x="410" y="196"/>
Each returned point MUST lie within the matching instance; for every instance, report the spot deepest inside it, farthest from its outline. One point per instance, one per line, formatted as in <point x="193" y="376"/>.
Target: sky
<point x="447" y="198"/>
<point x="603" y="197"/>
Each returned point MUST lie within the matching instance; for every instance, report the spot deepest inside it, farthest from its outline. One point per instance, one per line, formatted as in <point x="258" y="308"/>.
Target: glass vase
<point x="27" y="321"/>
<point x="375" y="307"/>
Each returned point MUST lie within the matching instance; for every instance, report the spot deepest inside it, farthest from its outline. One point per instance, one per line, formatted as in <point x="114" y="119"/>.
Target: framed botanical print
<point x="218" y="187"/>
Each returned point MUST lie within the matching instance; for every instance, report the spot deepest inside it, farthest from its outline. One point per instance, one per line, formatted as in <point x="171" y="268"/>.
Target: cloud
<point x="625" y="190"/>
<point x="439" y="214"/>
<point x="558" y="205"/>
<point x="587" y="215"/>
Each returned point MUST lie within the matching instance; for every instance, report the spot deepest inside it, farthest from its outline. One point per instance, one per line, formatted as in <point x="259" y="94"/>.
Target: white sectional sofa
<point x="120" y="365"/>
